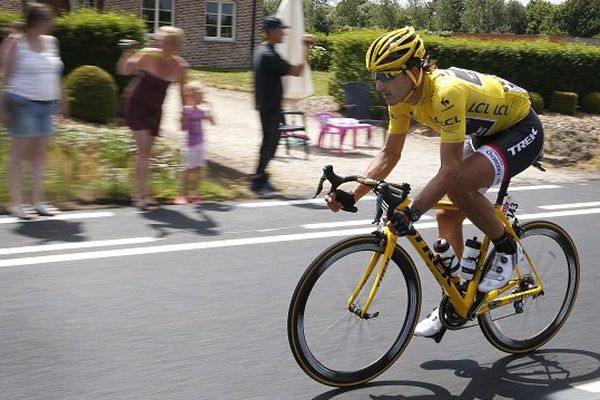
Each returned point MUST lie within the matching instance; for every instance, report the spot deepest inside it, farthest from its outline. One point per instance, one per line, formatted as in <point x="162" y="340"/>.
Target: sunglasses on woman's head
<point x="386" y="76"/>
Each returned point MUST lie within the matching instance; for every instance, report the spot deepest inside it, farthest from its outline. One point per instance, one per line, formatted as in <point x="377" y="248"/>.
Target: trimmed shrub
<point x="538" y="66"/>
<point x="92" y="94"/>
<point x="319" y="58"/>
<point x="537" y="102"/>
<point x="591" y="102"/>
<point x="90" y="37"/>
<point x="564" y="102"/>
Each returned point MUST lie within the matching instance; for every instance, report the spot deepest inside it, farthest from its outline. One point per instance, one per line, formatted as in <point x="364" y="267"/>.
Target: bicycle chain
<point x="495" y="319"/>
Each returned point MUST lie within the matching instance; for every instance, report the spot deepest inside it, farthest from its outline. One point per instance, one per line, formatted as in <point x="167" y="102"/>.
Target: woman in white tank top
<point x="30" y="77"/>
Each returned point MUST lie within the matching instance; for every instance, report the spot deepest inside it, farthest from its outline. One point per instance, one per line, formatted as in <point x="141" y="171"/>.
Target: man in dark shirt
<point x="268" y="68"/>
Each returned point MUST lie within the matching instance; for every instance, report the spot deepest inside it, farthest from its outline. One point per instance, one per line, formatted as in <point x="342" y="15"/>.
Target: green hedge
<point x="348" y="62"/>
<point x="537" y="102"/>
<point x="319" y="58"/>
<point x="541" y="66"/>
<point x="321" y="53"/>
<point x="90" y="37"/>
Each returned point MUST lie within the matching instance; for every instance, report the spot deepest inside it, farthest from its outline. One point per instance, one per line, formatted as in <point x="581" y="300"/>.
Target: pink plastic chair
<point x="325" y="129"/>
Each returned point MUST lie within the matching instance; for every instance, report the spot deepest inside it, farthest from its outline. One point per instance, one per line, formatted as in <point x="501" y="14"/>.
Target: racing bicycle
<point x="351" y="317"/>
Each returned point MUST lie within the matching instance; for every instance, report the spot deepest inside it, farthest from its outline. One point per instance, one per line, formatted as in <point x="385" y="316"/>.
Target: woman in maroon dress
<point x="155" y="69"/>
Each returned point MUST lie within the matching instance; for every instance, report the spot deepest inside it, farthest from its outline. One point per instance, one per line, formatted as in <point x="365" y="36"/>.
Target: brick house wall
<point x="12" y="5"/>
<point x="190" y="16"/>
<point x="200" y="52"/>
<point x="17" y="5"/>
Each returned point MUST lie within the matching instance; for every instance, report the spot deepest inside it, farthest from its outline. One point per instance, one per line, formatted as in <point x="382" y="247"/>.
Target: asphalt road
<point x="191" y="303"/>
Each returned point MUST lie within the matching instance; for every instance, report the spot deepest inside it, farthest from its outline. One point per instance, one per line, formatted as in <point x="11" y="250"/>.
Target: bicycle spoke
<point x="347" y="347"/>
<point x="535" y="319"/>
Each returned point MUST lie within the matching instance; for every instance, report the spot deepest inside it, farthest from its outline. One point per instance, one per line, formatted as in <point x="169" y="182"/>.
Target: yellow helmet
<point x="391" y="51"/>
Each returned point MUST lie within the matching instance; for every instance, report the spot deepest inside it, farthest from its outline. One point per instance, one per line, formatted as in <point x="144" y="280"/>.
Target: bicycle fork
<point x="375" y="258"/>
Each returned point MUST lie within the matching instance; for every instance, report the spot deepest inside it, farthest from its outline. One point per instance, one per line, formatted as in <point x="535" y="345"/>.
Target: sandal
<point x="197" y="200"/>
<point x="181" y="200"/>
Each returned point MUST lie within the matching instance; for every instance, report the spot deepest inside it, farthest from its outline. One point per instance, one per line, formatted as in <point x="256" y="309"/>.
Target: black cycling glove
<point x="402" y="221"/>
<point x="347" y="200"/>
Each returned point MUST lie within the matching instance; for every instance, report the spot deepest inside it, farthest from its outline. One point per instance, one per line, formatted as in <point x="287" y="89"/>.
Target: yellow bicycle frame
<point x="462" y="304"/>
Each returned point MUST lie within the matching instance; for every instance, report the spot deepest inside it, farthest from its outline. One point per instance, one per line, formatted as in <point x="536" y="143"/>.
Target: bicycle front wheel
<point x="525" y="326"/>
<point x="335" y="346"/>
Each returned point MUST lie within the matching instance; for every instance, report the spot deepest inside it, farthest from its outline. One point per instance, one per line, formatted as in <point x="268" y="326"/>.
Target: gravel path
<point x="235" y="141"/>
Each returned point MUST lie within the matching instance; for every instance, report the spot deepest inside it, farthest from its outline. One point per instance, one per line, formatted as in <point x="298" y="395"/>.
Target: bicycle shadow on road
<point x="519" y="377"/>
<point x="168" y="221"/>
<point x="52" y="231"/>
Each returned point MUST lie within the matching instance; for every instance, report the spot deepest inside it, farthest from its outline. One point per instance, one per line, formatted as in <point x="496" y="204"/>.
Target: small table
<point x="341" y="126"/>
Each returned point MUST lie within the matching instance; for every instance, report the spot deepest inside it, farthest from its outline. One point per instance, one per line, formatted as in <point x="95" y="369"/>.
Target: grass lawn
<point x="88" y="164"/>
<point x="243" y="80"/>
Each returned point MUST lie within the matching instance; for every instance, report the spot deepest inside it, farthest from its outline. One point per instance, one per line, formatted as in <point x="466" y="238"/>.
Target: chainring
<point x="448" y="317"/>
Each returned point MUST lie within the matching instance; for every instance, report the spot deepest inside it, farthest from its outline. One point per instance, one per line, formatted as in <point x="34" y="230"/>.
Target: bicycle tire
<point x="509" y="333"/>
<point x="307" y="356"/>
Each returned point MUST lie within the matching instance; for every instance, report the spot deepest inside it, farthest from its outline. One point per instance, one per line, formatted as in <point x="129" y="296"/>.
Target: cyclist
<point x="488" y="131"/>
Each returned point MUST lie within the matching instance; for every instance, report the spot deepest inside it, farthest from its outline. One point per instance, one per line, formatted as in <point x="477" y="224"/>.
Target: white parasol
<point x="291" y="13"/>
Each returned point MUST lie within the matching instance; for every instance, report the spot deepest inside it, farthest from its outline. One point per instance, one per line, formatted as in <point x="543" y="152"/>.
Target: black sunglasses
<point x="386" y="76"/>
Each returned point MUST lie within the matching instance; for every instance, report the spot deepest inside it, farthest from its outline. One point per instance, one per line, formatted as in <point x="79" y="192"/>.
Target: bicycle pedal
<point x="438" y="336"/>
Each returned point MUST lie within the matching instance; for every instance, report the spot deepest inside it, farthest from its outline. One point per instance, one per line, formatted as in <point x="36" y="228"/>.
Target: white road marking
<point x="525" y="188"/>
<point x="77" y="245"/>
<point x="241" y="242"/>
<point x="592" y="387"/>
<point x="570" y="205"/>
<point x="274" y="203"/>
<point x="553" y="214"/>
<point x="61" y="217"/>
<point x="339" y="224"/>
<point x="170" y="248"/>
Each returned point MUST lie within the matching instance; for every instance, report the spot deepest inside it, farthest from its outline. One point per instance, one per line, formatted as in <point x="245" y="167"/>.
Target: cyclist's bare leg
<point x="476" y="173"/>
<point x="450" y="227"/>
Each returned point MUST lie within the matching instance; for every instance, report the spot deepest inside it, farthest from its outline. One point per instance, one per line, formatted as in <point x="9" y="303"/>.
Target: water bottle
<point x="470" y="258"/>
<point x="448" y="258"/>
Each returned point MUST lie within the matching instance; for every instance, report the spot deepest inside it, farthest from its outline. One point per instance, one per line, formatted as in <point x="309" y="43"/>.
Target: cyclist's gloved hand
<point x="402" y="221"/>
<point x="341" y="200"/>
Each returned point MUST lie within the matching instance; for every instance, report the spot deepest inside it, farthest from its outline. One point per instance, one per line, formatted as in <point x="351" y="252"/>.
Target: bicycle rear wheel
<point x="555" y="258"/>
<point x="335" y="346"/>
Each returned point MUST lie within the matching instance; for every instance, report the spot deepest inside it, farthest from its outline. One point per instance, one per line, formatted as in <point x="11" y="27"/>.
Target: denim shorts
<point x="29" y="118"/>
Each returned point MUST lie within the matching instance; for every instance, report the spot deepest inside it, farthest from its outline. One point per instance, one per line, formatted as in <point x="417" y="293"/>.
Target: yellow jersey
<point x="458" y="102"/>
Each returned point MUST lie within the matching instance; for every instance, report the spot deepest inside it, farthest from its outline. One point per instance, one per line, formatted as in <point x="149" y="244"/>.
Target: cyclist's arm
<point x="383" y="163"/>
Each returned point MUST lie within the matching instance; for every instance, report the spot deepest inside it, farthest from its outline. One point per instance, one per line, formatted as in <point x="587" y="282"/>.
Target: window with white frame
<point x="220" y="20"/>
<point x="157" y="13"/>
